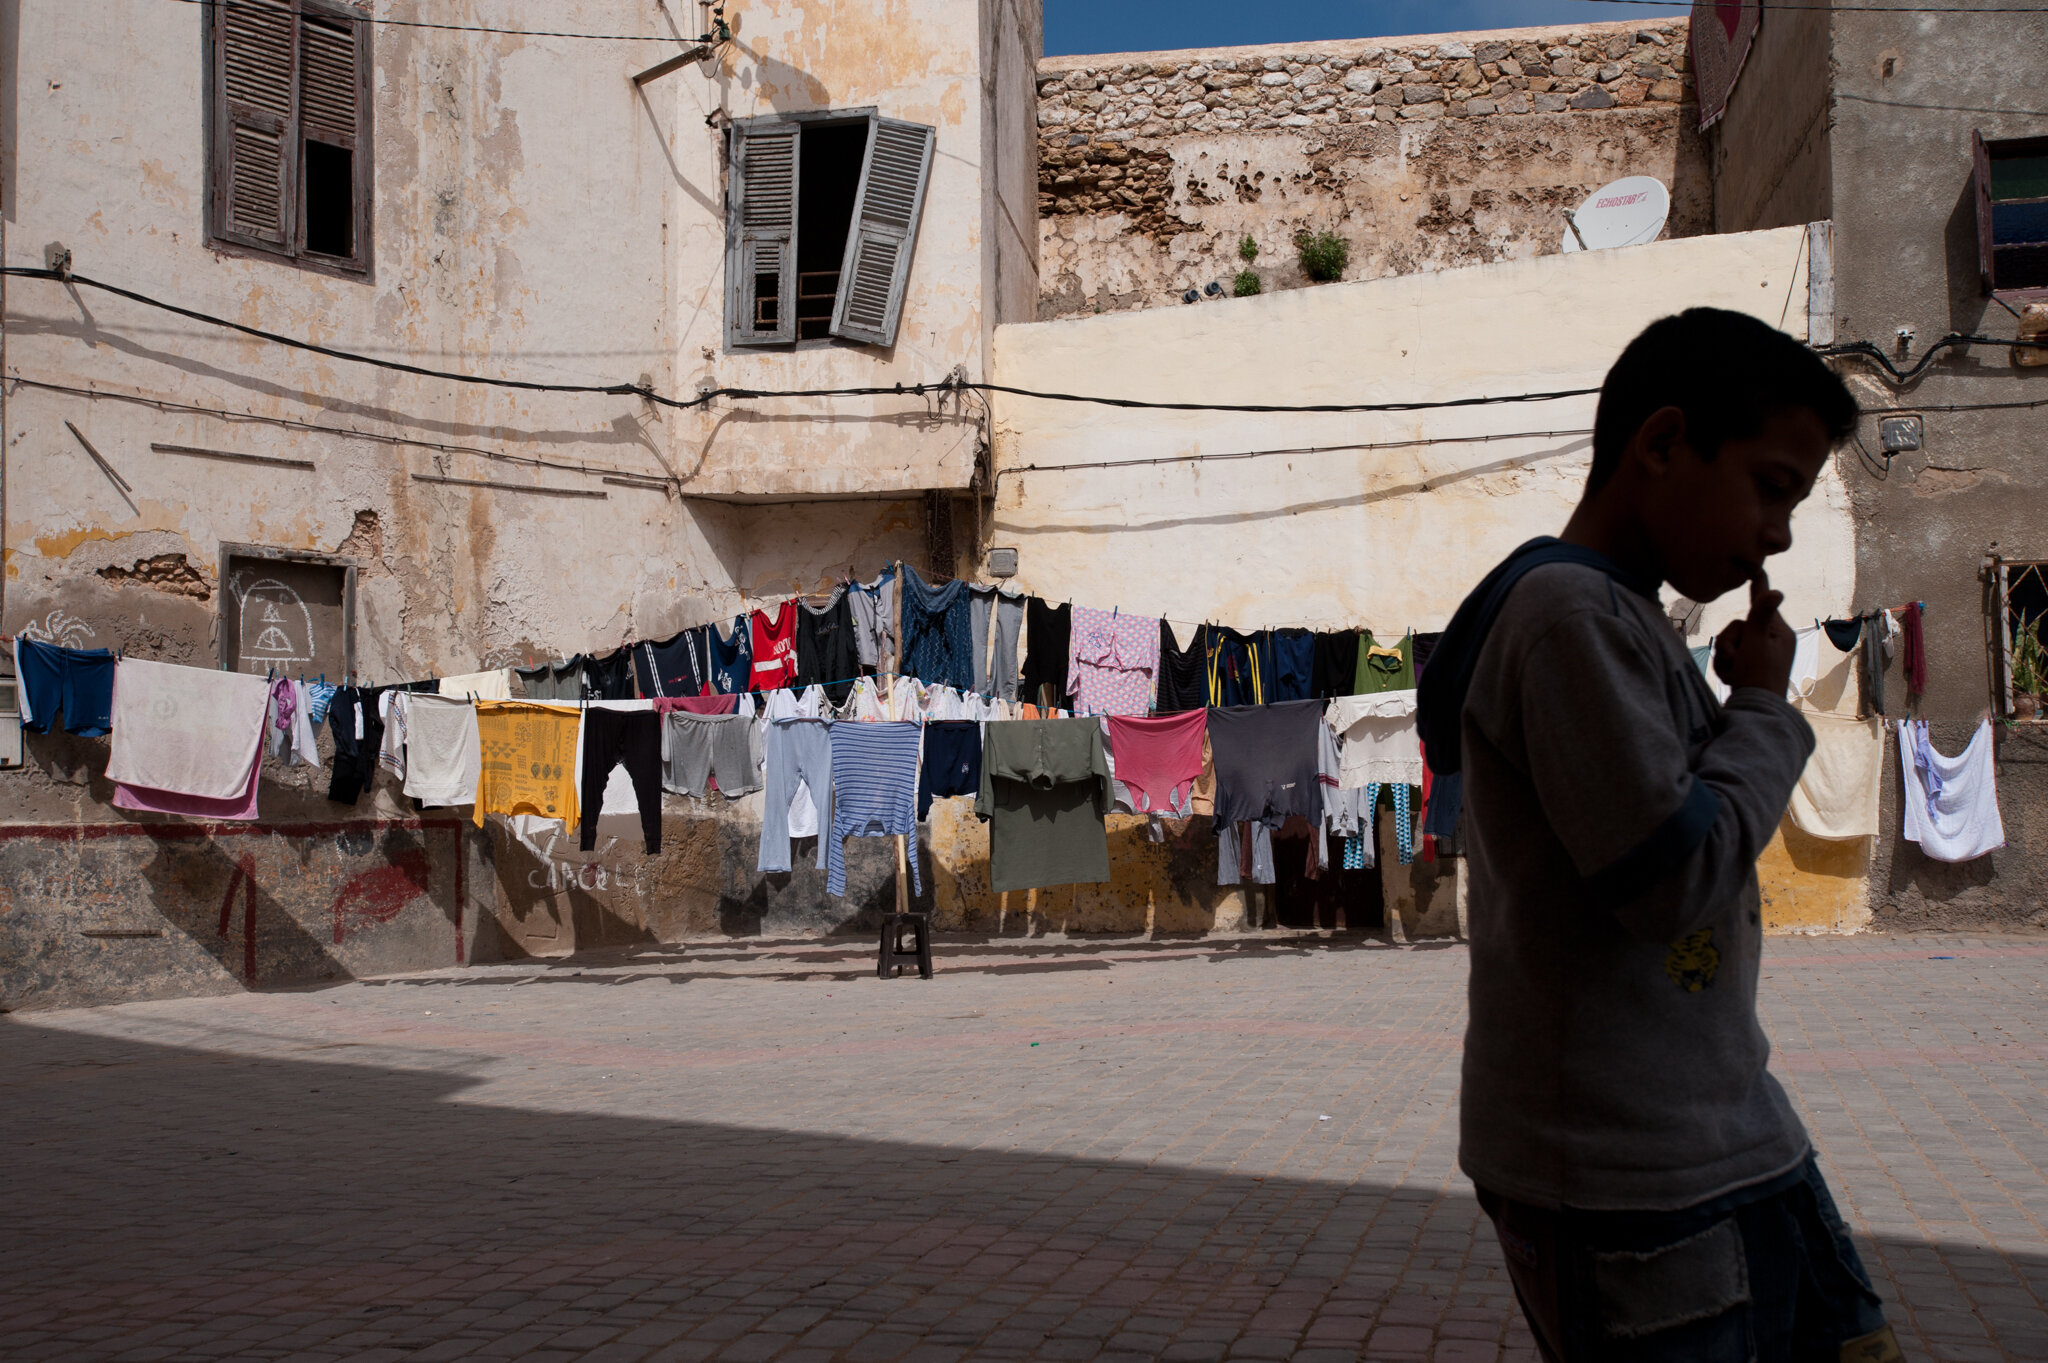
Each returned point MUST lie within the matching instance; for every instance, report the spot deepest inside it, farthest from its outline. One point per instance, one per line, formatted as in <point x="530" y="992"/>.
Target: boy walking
<point x="1654" y="1193"/>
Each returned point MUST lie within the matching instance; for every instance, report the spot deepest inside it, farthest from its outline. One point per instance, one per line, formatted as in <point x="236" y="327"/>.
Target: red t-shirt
<point x="775" y="647"/>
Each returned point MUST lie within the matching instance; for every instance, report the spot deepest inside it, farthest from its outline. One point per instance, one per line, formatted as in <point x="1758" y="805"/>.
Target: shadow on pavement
<point x="211" y="1204"/>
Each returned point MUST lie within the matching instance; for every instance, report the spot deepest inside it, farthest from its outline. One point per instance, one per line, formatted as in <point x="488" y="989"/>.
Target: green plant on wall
<point x="1247" y="250"/>
<point x="2029" y="658"/>
<point x="1323" y="255"/>
<point x="1246" y="283"/>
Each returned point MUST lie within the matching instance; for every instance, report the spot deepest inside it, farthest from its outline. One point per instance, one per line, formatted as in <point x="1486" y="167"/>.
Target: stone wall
<point x="1423" y="153"/>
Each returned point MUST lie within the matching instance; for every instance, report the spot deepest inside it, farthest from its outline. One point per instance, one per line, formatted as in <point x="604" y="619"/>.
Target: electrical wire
<point x="345" y="432"/>
<point x="1865" y="350"/>
<point x="1297" y="449"/>
<point x="707" y="396"/>
<point x="466" y="28"/>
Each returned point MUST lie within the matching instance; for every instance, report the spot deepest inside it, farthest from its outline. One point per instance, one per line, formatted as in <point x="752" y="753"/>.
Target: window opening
<point x="2023" y="610"/>
<point x="821" y="226"/>
<point x="288" y="168"/>
<point x="330" y="199"/>
<point x="828" y="182"/>
<point x="2012" y="214"/>
<point x="287" y="612"/>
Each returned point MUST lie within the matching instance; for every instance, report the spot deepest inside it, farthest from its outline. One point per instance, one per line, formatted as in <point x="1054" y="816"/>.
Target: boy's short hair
<point x="1726" y="371"/>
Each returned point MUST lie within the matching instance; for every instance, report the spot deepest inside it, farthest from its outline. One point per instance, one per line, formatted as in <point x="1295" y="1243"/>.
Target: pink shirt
<point x="1112" y="662"/>
<point x="1158" y="760"/>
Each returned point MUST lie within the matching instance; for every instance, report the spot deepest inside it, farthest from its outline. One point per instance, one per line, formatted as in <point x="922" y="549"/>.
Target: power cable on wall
<point x="466" y="28"/>
<point x="314" y="428"/>
<point x="704" y="398"/>
<point x="1864" y="350"/>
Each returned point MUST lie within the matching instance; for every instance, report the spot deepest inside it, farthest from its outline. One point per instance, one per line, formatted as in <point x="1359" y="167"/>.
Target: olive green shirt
<point x="1045" y="787"/>
<point x="1384" y="673"/>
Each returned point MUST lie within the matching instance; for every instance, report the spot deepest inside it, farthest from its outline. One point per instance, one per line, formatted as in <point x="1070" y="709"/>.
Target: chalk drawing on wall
<point x="276" y="627"/>
<point x="60" y="628"/>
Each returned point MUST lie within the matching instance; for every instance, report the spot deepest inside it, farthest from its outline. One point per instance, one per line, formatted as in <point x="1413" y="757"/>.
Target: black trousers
<point x="355" y="759"/>
<point x="609" y="738"/>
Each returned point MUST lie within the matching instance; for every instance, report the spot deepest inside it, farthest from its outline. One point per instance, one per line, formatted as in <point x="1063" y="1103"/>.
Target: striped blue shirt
<point x="874" y="792"/>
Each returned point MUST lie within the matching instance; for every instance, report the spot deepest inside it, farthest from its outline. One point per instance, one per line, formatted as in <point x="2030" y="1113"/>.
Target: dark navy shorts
<point x="78" y="681"/>
<point x="1764" y="1275"/>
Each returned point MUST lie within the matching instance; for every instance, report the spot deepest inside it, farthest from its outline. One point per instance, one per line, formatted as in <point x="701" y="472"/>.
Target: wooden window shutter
<point x="334" y="104"/>
<point x="884" y="232"/>
<point x="1980" y="161"/>
<point x="255" y="150"/>
<point x="760" y="234"/>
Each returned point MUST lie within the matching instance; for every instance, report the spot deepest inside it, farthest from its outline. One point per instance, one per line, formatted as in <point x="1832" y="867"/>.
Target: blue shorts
<point x="1766" y="1274"/>
<point x="78" y="681"/>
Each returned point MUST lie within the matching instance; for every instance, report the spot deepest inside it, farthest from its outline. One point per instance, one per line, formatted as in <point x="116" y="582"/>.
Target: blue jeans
<point x="1764" y="1275"/>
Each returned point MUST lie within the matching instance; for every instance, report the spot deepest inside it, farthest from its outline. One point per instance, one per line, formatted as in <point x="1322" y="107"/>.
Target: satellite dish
<point x="1628" y="212"/>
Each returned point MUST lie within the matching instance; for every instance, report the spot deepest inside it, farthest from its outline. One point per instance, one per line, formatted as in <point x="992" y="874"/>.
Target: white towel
<point x="480" y="685"/>
<point x="443" y="756"/>
<point x="188" y="730"/>
<point x="1836" y="796"/>
<point x="1951" y="802"/>
<point x="1379" y="739"/>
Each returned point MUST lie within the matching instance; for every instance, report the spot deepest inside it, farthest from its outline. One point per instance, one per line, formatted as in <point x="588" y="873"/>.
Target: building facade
<point x="579" y="239"/>
<point x="1933" y="171"/>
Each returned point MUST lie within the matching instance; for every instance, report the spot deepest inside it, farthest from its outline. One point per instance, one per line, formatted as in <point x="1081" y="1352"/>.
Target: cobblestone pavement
<point x="1237" y="1148"/>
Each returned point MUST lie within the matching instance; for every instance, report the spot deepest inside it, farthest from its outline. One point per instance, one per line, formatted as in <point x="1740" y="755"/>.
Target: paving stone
<point x="753" y="1151"/>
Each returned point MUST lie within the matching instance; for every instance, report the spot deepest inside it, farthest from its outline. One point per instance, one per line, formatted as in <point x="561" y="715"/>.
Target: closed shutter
<point x="884" y="233"/>
<point x="255" y="149"/>
<point x="327" y="78"/>
<point x="760" y="259"/>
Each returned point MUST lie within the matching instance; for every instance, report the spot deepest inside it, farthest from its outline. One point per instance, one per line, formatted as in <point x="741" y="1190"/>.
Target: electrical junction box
<point x="10" y="724"/>
<point x="1897" y="434"/>
<point x="1002" y="563"/>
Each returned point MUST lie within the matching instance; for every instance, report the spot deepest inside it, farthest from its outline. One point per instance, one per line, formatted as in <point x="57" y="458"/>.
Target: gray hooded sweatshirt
<point x="1614" y="810"/>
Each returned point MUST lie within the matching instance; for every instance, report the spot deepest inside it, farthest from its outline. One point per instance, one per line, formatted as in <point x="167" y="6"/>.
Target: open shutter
<point x="884" y="233"/>
<point x="334" y="104"/>
<point x="255" y="154"/>
<point x="760" y="235"/>
<point x="1980" y="161"/>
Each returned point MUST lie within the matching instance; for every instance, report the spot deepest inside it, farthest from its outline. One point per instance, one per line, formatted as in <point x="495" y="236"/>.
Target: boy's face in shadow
<point x="1714" y="521"/>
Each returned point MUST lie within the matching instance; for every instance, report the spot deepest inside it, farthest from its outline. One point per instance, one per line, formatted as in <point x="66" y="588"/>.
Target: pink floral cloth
<point x="1112" y="662"/>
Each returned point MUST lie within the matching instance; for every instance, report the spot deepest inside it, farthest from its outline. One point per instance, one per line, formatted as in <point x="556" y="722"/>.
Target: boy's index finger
<point x="1763" y="602"/>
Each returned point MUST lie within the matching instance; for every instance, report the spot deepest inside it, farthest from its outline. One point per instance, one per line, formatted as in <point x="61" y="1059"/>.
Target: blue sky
<point x="1163" y="25"/>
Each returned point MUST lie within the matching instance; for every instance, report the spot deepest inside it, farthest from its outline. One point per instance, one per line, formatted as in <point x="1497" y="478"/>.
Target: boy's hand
<point x="1757" y="651"/>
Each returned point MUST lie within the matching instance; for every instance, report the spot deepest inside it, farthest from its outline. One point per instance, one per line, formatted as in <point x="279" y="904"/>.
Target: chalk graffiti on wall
<point x="60" y="628"/>
<point x="560" y="873"/>
<point x="274" y="625"/>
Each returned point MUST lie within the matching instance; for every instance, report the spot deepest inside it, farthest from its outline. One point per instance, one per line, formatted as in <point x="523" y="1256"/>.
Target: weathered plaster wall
<point x="509" y="240"/>
<point x="1909" y="91"/>
<point x="1423" y="153"/>
<point x="1769" y="153"/>
<point x="1382" y="520"/>
<point x="953" y="66"/>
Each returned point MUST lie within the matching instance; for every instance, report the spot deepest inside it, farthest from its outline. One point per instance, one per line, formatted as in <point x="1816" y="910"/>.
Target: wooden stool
<point x="895" y="955"/>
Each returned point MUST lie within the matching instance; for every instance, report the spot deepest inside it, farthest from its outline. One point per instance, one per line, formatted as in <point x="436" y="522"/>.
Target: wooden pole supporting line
<point x="902" y="875"/>
<point x="98" y="458"/>
<point x="675" y="63"/>
<point x="270" y="459"/>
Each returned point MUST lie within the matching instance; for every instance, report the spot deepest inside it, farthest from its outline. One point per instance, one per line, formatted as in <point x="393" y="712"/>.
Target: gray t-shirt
<point x="1613" y="1058"/>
